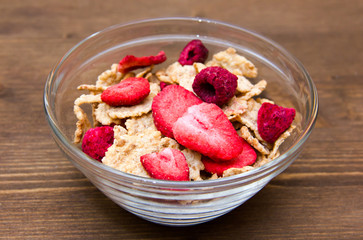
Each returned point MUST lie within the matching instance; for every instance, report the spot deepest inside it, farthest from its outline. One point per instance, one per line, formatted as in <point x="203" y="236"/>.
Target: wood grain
<point x="42" y="196"/>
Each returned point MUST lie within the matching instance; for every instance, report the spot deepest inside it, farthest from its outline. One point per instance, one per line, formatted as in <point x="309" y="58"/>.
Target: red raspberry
<point x="215" y="85"/>
<point x="128" y="92"/>
<point x="131" y="62"/>
<point x="273" y="120"/>
<point x="193" y="52"/>
<point x="96" y="141"/>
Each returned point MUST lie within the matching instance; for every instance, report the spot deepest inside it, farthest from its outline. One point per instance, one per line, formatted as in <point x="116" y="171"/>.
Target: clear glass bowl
<point x="169" y="202"/>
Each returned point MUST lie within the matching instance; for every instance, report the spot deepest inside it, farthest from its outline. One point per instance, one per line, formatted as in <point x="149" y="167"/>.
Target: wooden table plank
<point x="43" y="196"/>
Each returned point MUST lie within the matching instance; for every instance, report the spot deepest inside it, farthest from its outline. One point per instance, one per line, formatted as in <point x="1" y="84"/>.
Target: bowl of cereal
<point x="179" y="120"/>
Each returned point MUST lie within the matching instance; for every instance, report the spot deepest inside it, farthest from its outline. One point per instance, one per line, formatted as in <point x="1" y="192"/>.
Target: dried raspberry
<point x="193" y="52"/>
<point x="273" y="120"/>
<point x="215" y="85"/>
<point x="131" y="62"/>
<point x="96" y="141"/>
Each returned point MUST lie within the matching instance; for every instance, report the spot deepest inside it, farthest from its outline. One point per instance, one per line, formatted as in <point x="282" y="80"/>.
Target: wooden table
<point x="43" y="196"/>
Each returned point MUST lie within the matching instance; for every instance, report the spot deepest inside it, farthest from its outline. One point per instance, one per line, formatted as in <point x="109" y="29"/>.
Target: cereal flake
<point x="127" y="149"/>
<point x="109" y="77"/>
<point x="234" y="63"/>
<point x="245" y="133"/>
<point x="178" y="74"/>
<point x="235" y="171"/>
<point x="138" y="124"/>
<point x="255" y="90"/>
<point x="101" y="115"/>
<point x="82" y="124"/>
<point x="88" y="98"/>
<point x="235" y="107"/>
<point x="136" y="110"/>
<point x="274" y="152"/>
<point x="195" y="164"/>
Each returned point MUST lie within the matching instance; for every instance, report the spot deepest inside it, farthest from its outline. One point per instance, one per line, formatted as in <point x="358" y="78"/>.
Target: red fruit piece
<point x="273" y="120"/>
<point x="169" y="164"/>
<point x="170" y="104"/>
<point x="96" y="141"/>
<point x="128" y="92"/>
<point x="193" y="52"/>
<point x="131" y="62"/>
<point x="206" y="129"/>
<point x="245" y="158"/>
<point x="215" y="85"/>
<point x="163" y="85"/>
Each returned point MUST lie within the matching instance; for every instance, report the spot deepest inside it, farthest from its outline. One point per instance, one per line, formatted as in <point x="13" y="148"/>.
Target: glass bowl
<point x="172" y="202"/>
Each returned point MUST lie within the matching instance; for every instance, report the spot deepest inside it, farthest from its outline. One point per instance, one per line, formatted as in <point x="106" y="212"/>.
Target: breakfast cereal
<point x="137" y="132"/>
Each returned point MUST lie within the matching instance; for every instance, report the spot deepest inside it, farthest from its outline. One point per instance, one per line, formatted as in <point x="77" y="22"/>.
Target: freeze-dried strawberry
<point x="193" y="52"/>
<point x="128" y="92"/>
<point x="273" y="120"/>
<point x="206" y="129"/>
<point x="169" y="164"/>
<point x="215" y="85"/>
<point x="170" y="104"/>
<point x="96" y="141"/>
<point x="131" y="62"/>
<point x="245" y="158"/>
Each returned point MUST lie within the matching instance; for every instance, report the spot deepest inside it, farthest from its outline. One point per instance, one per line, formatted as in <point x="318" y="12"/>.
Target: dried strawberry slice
<point x="131" y="62"/>
<point x="245" y="158"/>
<point x="128" y="92"/>
<point x="206" y="129"/>
<point x="168" y="164"/>
<point x="273" y="120"/>
<point x="193" y="52"/>
<point x="170" y="104"/>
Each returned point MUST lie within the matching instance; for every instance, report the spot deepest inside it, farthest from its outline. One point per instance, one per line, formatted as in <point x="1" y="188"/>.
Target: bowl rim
<point x="117" y="174"/>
